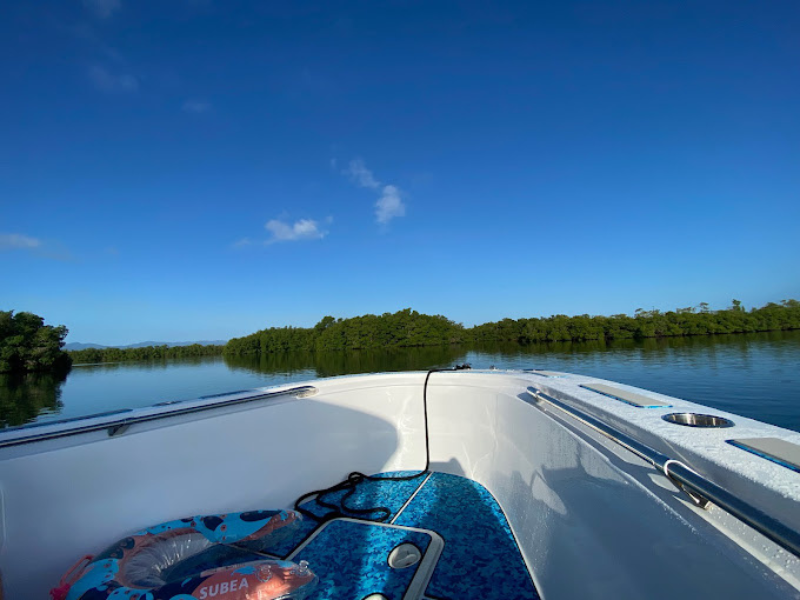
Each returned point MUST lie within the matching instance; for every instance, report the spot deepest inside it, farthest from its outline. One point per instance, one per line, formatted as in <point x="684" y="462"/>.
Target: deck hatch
<point x="625" y="396"/>
<point x="351" y="559"/>
<point x="776" y="450"/>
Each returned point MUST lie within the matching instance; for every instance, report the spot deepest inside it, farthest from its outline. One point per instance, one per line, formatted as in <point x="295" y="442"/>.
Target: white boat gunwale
<point x="396" y="399"/>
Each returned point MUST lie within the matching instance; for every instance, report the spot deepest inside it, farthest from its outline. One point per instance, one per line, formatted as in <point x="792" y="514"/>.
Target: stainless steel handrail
<point x="686" y="478"/>
<point x="115" y="426"/>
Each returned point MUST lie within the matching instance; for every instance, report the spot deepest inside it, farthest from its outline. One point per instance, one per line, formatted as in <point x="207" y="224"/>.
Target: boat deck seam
<point x="410" y="498"/>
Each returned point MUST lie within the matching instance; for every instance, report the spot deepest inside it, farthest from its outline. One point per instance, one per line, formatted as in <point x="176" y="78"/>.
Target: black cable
<point x="350" y="484"/>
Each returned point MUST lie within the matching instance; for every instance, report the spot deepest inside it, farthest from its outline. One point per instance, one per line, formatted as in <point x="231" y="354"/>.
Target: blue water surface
<point x="754" y="375"/>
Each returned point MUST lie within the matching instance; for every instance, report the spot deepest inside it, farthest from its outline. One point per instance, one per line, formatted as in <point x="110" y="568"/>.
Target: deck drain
<point x="404" y="555"/>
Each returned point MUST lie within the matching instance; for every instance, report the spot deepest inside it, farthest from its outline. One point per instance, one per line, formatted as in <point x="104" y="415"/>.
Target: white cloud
<point x="111" y="83"/>
<point x="15" y="241"/>
<point x="103" y="8"/>
<point x="361" y="175"/>
<point x="196" y="106"/>
<point x="389" y="205"/>
<point x="304" y="229"/>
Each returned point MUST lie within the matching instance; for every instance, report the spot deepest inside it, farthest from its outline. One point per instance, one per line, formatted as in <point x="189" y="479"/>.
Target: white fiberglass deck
<point x="591" y="519"/>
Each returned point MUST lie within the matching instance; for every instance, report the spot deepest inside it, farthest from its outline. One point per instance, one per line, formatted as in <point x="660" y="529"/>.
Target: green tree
<point x="408" y="328"/>
<point x="163" y="352"/>
<point x="27" y="344"/>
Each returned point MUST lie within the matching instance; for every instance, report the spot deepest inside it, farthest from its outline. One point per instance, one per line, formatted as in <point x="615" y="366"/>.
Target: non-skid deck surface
<point x="480" y="559"/>
<point x="350" y="559"/>
<point x="391" y="493"/>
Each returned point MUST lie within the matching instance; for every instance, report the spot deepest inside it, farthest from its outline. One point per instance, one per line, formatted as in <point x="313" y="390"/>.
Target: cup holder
<point x="697" y="420"/>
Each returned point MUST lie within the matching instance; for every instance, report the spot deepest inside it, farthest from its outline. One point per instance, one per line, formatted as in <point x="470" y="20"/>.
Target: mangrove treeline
<point x="27" y="344"/>
<point x="645" y="324"/>
<point x="405" y="328"/>
<point x="408" y="328"/>
<point x="98" y="355"/>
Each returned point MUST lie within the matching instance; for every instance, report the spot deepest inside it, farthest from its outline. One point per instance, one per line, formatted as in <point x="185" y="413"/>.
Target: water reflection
<point x="25" y="396"/>
<point x="153" y="365"/>
<point x="330" y="364"/>
<point x="754" y="375"/>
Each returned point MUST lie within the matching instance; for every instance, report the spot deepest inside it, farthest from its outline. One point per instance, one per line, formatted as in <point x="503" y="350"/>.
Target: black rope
<point x="351" y="483"/>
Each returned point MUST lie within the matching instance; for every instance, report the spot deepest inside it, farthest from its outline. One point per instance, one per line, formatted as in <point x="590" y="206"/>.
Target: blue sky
<point x="199" y="169"/>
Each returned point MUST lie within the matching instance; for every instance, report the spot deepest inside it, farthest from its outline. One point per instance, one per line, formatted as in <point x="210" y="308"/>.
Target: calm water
<point x="753" y="375"/>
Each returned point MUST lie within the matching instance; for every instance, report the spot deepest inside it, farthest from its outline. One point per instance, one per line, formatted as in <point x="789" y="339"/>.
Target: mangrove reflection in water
<point x="26" y="396"/>
<point x="754" y="375"/>
<point x="330" y="364"/>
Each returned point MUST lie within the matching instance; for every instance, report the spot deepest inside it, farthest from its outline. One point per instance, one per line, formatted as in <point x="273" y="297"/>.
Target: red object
<point x="75" y="571"/>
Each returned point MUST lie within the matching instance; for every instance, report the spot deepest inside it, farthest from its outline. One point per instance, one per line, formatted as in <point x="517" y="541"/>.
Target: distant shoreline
<point x="409" y="329"/>
<point x="468" y="344"/>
